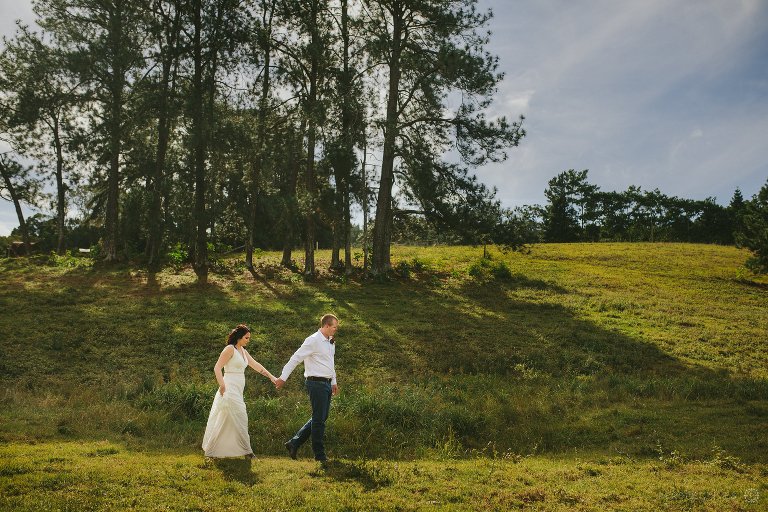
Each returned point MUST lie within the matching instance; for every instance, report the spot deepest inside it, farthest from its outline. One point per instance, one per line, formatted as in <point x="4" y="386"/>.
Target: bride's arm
<point x="224" y="358"/>
<point x="258" y="367"/>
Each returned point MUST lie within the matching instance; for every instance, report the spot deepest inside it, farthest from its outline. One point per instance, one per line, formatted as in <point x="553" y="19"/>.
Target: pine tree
<point x="17" y="186"/>
<point x="430" y="48"/>
<point x="102" y="41"/>
<point x="754" y="235"/>
<point x="40" y="96"/>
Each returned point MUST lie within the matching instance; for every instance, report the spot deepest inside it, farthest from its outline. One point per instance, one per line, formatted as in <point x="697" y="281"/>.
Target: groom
<point x="316" y="353"/>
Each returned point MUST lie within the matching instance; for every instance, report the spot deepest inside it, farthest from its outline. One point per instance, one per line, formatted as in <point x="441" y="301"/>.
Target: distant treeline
<point x="577" y="210"/>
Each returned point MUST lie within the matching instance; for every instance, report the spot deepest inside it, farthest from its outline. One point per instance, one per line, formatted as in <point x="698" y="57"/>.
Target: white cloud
<point x="518" y="101"/>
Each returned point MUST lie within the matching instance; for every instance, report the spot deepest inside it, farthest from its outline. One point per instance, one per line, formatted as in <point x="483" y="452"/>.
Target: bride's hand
<point x="222" y="389"/>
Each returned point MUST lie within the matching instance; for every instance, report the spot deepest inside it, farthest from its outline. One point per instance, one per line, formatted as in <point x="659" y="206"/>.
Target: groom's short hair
<point x="327" y="319"/>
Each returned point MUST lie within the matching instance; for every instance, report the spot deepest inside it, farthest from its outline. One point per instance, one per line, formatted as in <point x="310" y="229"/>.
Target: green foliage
<point x="486" y="269"/>
<point x="405" y="268"/>
<point x="579" y="211"/>
<point x="723" y="460"/>
<point x="754" y="234"/>
<point x="177" y="256"/>
<point x="71" y="260"/>
<point x="564" y="192"/>
<point x="5" y="242"/>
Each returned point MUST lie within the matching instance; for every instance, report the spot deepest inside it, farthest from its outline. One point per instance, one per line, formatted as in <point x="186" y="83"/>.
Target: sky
<point x="667" y="94"/>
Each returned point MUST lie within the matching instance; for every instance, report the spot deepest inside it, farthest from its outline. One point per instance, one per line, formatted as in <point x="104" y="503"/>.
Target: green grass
<point x="645" y="362"/>
<point x="105" y="476"/>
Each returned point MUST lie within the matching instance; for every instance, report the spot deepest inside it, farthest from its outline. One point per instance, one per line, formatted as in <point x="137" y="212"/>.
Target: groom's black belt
<point x="320" y="379"/>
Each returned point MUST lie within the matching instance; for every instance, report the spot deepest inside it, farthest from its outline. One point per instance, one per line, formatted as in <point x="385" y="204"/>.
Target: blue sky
<point x="667" y="94"/>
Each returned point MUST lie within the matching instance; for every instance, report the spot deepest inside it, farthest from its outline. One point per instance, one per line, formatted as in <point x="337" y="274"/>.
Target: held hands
<point x="279" y="383"/>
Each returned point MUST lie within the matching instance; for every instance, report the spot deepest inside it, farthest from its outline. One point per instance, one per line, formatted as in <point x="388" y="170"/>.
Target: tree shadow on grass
<point x="239" y="470"/>
<point x="591" y="388"/>
<point x="369" y="474"/>
<point x="113" y="331"/>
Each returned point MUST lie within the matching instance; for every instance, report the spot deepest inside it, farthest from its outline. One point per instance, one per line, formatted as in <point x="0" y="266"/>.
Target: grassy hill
<point x="624" y="359"/>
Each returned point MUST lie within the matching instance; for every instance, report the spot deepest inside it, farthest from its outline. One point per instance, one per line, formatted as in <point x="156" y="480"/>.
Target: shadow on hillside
<point x="238" y="470"/>
<point x="519" y="281"/>
<point x="600" y="378"/>
<point x="370" y="475"/>
<point x="127" y="334"/>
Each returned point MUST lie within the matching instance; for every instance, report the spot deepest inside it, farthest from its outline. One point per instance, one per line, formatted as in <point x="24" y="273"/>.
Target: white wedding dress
<point x="226" y="434"/>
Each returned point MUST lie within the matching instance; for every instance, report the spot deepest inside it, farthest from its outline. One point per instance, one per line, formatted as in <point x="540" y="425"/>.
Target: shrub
<point x="486" y="269"/>
<point x="177" y="256"/>
<point x="405" y="268"/>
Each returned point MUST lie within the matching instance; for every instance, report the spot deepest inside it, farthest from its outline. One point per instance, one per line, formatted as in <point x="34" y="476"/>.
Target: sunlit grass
<point x="651" y="354"/>
<point x="108" y="476"/>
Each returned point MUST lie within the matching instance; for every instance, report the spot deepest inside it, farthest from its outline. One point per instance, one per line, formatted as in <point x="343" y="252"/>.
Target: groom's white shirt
<point x="317" y="354"/>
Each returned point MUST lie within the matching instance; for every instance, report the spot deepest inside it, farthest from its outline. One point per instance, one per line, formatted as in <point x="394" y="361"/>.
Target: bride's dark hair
<point x="237" y="333"/>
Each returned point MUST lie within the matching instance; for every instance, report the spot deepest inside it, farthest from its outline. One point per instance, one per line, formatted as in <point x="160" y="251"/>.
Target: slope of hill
<point x="605" y="347"/>
<point x="646" y="352"/>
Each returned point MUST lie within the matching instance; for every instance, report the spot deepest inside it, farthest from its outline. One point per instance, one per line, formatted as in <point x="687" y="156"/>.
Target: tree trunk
<point x="200" y="262"/>
<point x="115" y="135"/>
<point x="382" y="229"/>
<point x="113" y="177"/>
<point x="365" y="209"/>
<point x="250" y="226"/>
<point x="290" y="199"/>
<point x="154" y="242"/>
<point x="17" y="205"/>
<point x="261" y="135"/>
<point x="309" y="240"/>
<point x="337" y="234"/>
<point x="156" y="224"/>
<point x="60" y="204"/>
<point x="311" y="112"/>
<point x="346" y="137"/>
<point x="347" y="233"/>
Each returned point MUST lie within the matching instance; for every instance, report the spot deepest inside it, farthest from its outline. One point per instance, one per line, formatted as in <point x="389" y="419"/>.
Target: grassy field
<point x="576" y="376"/>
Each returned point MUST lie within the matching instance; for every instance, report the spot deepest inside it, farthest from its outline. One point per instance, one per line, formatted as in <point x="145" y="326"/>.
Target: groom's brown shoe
<point x="291" y="449"/>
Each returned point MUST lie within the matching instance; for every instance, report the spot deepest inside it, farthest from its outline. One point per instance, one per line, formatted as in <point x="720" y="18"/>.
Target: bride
<point x="226" y="434"/>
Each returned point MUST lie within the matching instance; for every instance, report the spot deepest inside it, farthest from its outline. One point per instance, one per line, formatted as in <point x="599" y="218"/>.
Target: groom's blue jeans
<point x="320" y="400"/>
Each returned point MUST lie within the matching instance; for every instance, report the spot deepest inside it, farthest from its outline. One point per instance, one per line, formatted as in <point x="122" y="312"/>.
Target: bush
<point x="405" y="268"/>
<point x="177" y="256"/>
<point x="486" y="269"/>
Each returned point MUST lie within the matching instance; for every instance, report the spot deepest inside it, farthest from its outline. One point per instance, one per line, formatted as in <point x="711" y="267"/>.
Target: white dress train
<point x="226" y="434"/>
